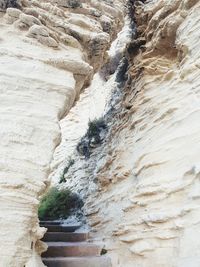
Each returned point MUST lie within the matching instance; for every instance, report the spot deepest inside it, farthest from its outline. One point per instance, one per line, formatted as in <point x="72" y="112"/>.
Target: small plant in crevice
<point x="70" y="163"/>
<point x="104" y="251"/>
<point x="93" y="137"/>
<point x="94" y="129"/>
<point x="58" y="204"/>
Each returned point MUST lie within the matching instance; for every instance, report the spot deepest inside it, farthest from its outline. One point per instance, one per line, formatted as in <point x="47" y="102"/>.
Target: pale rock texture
<point x="142" y="186"/>
<point x="91" y="105"/>
<point x="49" y="52"/>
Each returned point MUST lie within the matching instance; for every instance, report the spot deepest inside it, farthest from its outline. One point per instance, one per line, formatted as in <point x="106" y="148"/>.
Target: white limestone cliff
<point x="91" y="104"/>
<point x="145" y="176"/>
<point x="49" y="51"/>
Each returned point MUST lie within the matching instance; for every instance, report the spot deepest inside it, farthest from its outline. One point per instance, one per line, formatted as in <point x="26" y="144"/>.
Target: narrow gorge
<point x="102" y="98"/>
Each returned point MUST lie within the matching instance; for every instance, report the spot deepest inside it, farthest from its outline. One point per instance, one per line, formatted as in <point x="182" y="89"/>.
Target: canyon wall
<point x="142" y="184"/>
<point x="91" y="104"/>
<point x="49" y="51"/>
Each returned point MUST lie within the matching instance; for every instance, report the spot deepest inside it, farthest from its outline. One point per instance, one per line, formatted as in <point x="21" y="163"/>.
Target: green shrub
<point x="66" y="169"/>
<point x="93" y="137"/>
<point x="95" y="127"/>
<point x="104" y="251"/>
<point x="58" y="204"/>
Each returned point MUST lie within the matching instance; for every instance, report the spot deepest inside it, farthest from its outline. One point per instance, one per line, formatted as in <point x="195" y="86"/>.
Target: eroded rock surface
<point x="49" y="52"/>
<point x="91" y="104"/>
<point x="142" y="185"/>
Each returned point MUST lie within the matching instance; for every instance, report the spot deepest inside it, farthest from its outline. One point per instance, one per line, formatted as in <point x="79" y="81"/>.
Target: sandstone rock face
<point x="90" y="106"/>
<point x="145" y="177"/>
<point x="49" y="52"/>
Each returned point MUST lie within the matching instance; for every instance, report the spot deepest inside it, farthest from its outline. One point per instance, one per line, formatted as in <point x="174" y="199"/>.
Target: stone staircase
<point x="68" y="247"/>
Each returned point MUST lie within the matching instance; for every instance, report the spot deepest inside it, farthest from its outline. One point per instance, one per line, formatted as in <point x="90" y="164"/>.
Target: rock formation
<point x="144" y="178"/>
<point x="91" y="104"/>
<point x="49" y="53"/>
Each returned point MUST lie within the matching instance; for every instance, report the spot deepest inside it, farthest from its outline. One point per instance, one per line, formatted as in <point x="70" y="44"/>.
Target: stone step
<point x="65" y="237"/>
<point x="50" y="222"/>
<point x="71" y="249"/>
<point x="62" y="228"/>
<point x="100" y="261"/>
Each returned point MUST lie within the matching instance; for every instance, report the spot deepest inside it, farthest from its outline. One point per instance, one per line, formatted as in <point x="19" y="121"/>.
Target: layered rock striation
<point x="49" y="51"/>
<point x="91" y="104"/>
<point x="145" y="176"/>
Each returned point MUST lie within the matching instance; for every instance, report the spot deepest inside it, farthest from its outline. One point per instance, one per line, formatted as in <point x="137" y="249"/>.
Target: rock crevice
<point x="46" y="60"/>
<point x="145" y="176"/>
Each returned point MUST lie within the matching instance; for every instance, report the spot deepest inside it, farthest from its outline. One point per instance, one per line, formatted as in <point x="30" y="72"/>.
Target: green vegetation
<point x="58" y="204"/>
<point x="103" y="251"/>
<point x="95" y="127"/>
<point x="70" y="163"/>
<point x="93" y="137"/>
